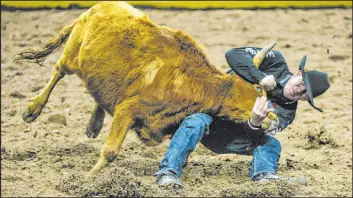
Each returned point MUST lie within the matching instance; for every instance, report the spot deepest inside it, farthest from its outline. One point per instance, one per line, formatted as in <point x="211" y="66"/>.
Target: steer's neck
<point x="239" y="100"/>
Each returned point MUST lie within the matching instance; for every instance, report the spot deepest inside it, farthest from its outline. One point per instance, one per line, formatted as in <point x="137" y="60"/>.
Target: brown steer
<point x="148" y="77"/>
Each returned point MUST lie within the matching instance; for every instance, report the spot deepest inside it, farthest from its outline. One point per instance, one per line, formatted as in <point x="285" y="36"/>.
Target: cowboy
<point x="284" y="90"/>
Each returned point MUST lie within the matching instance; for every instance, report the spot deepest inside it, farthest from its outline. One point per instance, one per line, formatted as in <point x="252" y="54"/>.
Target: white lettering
<point x="251" y="50"/>
<point x="270" y="54"/>
<point x="254" y="52"/>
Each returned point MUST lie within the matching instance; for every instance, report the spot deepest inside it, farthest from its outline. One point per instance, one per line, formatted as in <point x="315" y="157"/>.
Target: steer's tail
<point x="38" y="55"/>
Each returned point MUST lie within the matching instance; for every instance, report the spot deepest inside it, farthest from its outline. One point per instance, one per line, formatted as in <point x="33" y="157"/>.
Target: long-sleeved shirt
<point x="240" y="60"/>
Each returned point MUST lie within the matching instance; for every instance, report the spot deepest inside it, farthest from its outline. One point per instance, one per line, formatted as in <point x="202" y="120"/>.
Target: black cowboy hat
<point x="316" y="82"/>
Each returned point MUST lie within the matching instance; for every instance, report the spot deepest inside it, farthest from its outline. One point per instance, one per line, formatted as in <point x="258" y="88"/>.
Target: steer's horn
<point x="261" y="55"/>
<point x="258" y="58"/>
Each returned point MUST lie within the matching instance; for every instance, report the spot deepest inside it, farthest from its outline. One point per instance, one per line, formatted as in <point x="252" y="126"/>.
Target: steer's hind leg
<point x="35" y="107"/>
<point x="96" y="122"/>
<point x="122" y="122"/>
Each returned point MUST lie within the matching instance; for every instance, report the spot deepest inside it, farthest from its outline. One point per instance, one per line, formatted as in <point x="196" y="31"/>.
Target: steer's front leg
<point x="122" y="122"/>
<point x="96" y="122"/>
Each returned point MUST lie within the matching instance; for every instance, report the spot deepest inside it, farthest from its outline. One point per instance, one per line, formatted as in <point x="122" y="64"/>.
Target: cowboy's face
<point x="295" y="89"/>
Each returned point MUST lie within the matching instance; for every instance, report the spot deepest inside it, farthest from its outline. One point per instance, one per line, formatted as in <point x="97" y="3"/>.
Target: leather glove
<point x="268" y="82"/>
<point x="259" y="111"/>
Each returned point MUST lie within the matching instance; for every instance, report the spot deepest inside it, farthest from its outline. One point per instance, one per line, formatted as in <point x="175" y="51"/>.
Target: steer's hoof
<point x="93" y="129"/>
<point x="30" y="115"/>
<point x="89" y="176"/>
<point x="91" y="133"/>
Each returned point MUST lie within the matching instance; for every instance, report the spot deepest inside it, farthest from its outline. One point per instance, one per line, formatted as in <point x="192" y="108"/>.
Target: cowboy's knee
<point x="199" y="119"/>
<point x="274" y="143"/>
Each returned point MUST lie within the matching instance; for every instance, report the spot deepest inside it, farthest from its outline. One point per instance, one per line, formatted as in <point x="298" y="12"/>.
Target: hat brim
<point x="307" y="84"/>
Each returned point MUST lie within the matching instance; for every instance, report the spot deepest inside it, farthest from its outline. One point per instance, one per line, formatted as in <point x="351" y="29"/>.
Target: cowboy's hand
<point x="259" y="111"/>
<point x="268" y="82"/>
<point x="270" y="121"/>
<point x="270" y="126"/>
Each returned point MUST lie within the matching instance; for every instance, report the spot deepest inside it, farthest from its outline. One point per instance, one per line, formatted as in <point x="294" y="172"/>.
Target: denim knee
<point x="273" y="142"/>
<point x="197" y="119"/>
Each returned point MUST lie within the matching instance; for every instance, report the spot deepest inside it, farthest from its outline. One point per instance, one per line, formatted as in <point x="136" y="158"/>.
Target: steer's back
<point x="118" y="53"/>
<point x="110" y="48"/>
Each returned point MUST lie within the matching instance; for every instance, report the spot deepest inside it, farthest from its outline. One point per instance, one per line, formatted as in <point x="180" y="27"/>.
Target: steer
<point x="148" y="77"/>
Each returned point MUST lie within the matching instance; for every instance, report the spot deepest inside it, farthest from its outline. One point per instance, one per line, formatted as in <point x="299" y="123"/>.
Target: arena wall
<point x="181" y="4"/>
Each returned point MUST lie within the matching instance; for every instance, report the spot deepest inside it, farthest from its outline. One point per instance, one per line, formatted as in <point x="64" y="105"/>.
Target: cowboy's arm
<point x="241" y="62"/>
<point x="273" y="70"/>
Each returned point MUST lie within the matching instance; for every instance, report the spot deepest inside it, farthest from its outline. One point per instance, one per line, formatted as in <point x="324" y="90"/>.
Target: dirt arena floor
<point x="51" y="156"/>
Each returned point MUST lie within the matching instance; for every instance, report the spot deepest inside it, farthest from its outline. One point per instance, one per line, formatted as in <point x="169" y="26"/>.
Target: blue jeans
<point x="192" y="130"/>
